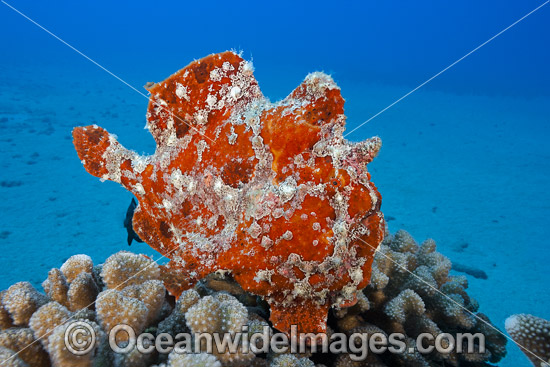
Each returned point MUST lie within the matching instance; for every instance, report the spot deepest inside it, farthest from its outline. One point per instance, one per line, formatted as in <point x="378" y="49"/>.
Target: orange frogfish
<point x="270" y="192"/>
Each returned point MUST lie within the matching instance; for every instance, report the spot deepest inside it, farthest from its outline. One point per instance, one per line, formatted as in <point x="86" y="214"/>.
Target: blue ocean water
<point x="465" y="159"/>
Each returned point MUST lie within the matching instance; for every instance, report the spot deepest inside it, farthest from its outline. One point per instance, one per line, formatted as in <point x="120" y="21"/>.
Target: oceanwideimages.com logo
<point x="81" y="339"/>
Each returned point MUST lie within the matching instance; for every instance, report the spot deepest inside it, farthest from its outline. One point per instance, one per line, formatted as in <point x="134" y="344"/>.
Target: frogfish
<point x="270" y="193"/>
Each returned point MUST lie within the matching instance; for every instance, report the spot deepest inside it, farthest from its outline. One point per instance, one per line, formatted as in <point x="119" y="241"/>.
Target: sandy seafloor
<point x="472" y="172"/>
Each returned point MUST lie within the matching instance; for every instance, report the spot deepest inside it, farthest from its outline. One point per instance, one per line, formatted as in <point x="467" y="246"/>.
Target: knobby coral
<point x="412" y="292"/>
<point x="396" y="301"/>
<point x="21" y="300"/>
<point x="35" y="324"/>
<point x="272" y="193"/>
<point x="533" y="335"/>
<point x="144" y="306"/>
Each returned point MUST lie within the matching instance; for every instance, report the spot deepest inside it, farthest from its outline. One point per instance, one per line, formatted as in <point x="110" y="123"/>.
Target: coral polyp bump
<point x="270" y="192"/>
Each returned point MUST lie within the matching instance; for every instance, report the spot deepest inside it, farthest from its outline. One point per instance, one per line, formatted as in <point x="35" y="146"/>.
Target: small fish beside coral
<point x="132" y="236"/>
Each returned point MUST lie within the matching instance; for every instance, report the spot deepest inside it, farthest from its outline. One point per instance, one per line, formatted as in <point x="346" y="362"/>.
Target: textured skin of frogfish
<point x="270" y="192"/>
